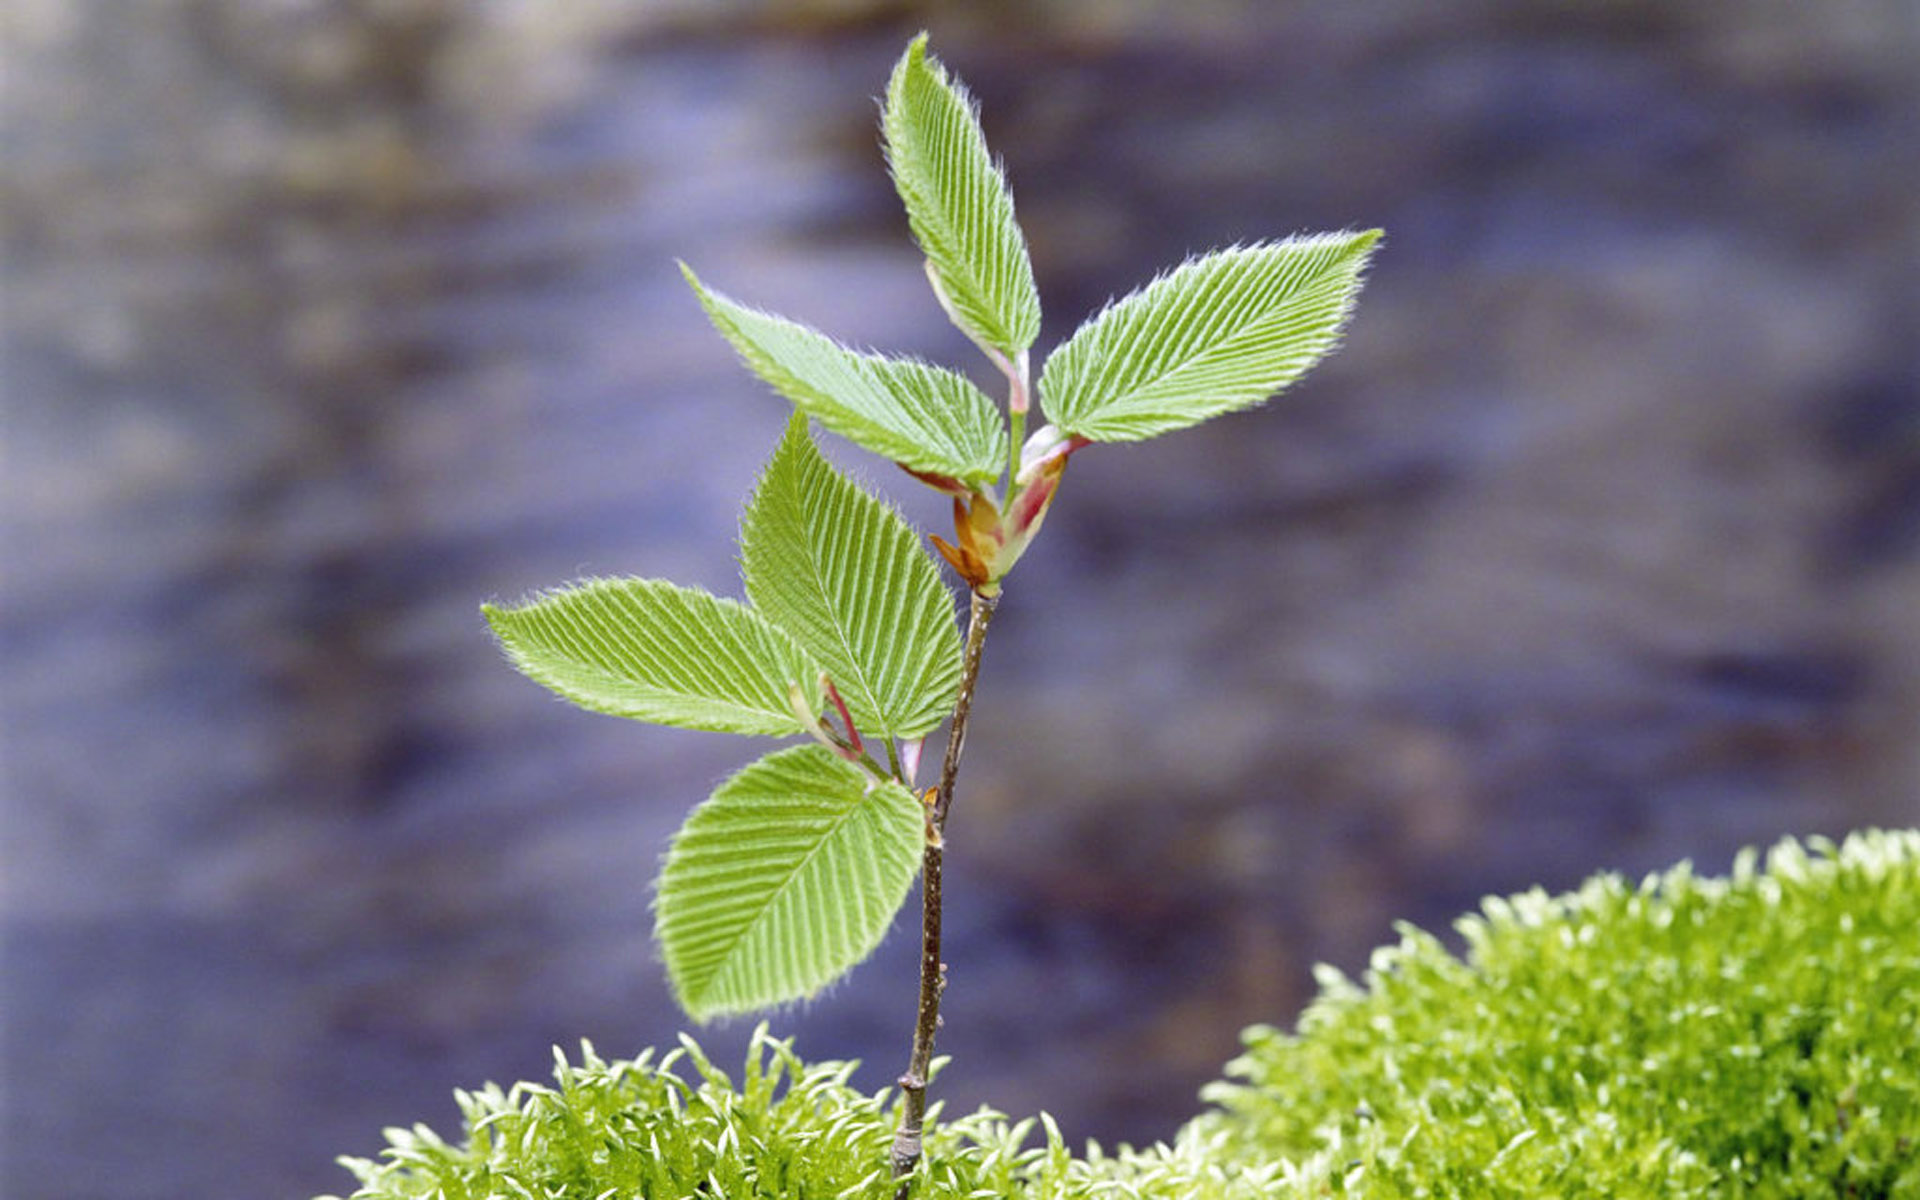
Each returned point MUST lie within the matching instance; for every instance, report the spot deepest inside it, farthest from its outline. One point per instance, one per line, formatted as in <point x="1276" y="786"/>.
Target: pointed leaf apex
<point x="786" y="878"/>
<point x="958" y="204"/>
<point x="840" y="571"/>
<point x="655" y="652"/>
<point x="693" y="280"/>
<point x="925" y="417"/>
<point x="1219" y="333"/>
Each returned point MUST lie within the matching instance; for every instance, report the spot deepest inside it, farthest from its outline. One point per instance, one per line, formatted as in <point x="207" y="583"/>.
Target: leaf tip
<point x="1363" y="243"/>
<point x="913" y="58"/>
<point x="497" y="619"/>
<point x="796" y="440"/>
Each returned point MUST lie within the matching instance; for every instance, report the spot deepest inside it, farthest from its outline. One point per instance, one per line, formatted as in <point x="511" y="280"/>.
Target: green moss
<point x="680" y="1127"/>
<point x="676" y="1127"/>
<point x="1754" y="1036"/>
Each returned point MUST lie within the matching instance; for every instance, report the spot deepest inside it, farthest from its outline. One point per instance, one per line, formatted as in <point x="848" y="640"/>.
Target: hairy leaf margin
<point x="783" y="880"/>
<point x="958" y="204"/>
<point x="924" y="417"/>
<point x="658" y="652"/>
<point x="840" y="570"/>
<point x="1222" y="332"/>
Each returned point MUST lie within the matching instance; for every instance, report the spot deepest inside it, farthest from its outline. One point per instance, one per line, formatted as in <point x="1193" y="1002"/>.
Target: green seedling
<point x="788" y="875"/>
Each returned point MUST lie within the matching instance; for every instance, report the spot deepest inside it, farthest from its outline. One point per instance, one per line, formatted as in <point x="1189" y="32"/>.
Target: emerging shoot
<point x="787" y="876"/>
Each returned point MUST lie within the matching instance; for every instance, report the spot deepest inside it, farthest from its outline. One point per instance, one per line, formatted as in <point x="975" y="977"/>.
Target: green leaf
<point x="1222" y="332"/>
<point x="916" y="414"/>
<point x="783" y="880"/>
<point x="649" y="650"/>
<point x="842" y="572"/>
<point x="958" y="204"/>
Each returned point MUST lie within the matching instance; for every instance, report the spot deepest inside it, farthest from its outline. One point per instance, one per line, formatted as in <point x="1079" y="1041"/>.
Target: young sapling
<point x="789" y="874"/>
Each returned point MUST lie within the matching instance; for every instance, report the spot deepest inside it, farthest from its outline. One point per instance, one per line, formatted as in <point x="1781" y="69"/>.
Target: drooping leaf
<point x="842" y="572"/>
<point x="783" y="880"/>
<point x="958" y="204"/>
<point x="920" y="415"/>
<point x="1222" y="332"/>
<point x="650" y="650"/>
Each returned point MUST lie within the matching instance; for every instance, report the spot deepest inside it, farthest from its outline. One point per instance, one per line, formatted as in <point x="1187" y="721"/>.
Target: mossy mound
<point x="680" y="1127"/>
<point x="1753" y="1036"/>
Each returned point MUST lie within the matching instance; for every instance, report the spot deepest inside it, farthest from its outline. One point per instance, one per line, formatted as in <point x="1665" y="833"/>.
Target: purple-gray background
<point x="1596" y="547"/>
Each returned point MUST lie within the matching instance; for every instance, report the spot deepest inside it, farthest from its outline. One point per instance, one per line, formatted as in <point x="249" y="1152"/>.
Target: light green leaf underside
<point x="914" y="413"/>
<point x="958" y="204"/>
<point x="783" y="880"/>
<point x="842" y="572"/>
<point x="1220" y="333"/>
<point x="650" y="650"/>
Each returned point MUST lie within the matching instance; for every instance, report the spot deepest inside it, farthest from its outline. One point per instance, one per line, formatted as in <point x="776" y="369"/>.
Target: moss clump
<point x="645" y="1128"/>
<point x="1753" y="1036"/>
<point x="1757" y="1036"/>
<point x="679" y="1127"/>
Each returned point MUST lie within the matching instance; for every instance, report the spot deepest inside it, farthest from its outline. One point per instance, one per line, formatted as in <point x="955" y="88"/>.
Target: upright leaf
<point x="783" y="880"/>
<point x="649" y="650"/>
<point x="920" y="415"/>
<point x="841" y="572"/>
<point x="1220" y="333"/>
<point x="958" y="204"/>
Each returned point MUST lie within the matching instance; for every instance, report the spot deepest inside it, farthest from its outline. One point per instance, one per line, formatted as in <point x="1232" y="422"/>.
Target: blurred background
<point x="1597" y="547"/>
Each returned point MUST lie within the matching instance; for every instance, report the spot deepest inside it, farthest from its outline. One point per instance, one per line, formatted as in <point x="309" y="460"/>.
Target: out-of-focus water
<point x="1597" y="547"/>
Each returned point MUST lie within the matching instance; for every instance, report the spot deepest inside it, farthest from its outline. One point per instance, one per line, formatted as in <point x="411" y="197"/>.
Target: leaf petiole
<point x="1017" y="403"/>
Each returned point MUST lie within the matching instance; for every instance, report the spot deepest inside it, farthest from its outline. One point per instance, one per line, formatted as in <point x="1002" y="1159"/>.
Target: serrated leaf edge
<point x="773" y="721"/>
<point x="866" y="942"/>
<point x="1000" y="308"/>
<point x="972" y="448"/>
<point x="1105" y="420"/>
<point x="864" y="686"/>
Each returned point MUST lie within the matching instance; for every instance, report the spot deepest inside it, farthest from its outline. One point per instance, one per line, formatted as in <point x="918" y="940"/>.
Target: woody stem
<point x="909" y="1139"/>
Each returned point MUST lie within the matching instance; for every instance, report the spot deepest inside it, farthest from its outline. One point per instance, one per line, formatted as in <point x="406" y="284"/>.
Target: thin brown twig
<point x="910" y="1138"/>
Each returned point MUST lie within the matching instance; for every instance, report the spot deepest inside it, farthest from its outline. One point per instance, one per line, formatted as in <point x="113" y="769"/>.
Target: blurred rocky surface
<point x="1598" y="546"/>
